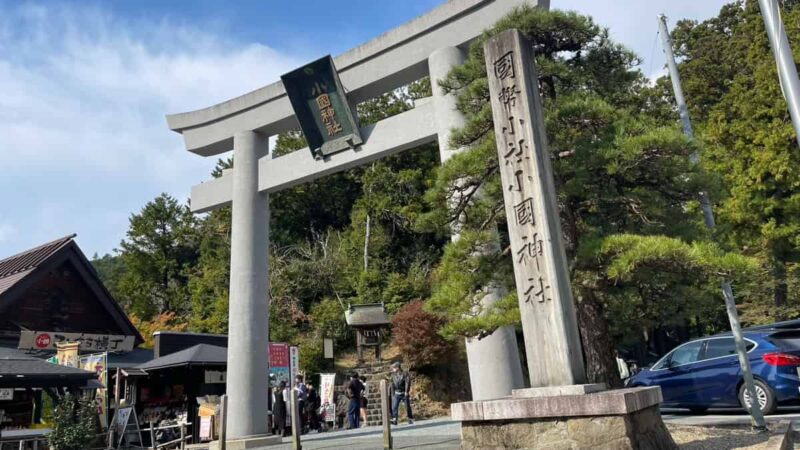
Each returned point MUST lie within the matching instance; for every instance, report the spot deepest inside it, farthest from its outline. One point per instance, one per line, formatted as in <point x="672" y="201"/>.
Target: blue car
<point x="705" y="373"/>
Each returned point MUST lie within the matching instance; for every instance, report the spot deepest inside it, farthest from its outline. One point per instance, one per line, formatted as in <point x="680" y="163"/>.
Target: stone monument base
<point x="617" y="419"/>
<point x="248" y="442"/>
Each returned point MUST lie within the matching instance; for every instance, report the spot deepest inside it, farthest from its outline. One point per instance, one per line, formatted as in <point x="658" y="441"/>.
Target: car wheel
<point x="766" y="399"/>
<point x="698" y="409"/>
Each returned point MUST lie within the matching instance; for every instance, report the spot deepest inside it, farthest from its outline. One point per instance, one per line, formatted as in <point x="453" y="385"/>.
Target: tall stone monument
<point x="558" y="411"/>
<point x="552" y="343"/>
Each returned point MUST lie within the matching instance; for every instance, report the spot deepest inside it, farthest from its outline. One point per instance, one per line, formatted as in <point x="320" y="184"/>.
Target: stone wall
<point x="641" y="429"/>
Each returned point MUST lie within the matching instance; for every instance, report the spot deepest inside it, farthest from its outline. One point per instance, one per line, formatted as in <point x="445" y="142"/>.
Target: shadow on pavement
<point x="374" y="430"/>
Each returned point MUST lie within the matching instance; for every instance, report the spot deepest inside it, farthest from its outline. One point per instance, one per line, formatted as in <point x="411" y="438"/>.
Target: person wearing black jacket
<point x="313" y="403"/>
<point x="401" y="388"/>
<point x="354" y="391"/>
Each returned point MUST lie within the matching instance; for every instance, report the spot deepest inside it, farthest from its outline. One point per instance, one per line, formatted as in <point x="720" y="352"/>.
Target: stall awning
<point x="32" y="372"/>
<point x="200" y="354"/>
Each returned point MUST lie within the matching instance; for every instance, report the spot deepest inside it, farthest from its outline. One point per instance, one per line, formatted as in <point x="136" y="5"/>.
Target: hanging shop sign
<point x="47" y="340"/>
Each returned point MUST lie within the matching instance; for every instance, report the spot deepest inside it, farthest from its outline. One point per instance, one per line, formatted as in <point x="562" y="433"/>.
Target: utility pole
<point x="708" y="214"/>
<point x="787" y="71"/>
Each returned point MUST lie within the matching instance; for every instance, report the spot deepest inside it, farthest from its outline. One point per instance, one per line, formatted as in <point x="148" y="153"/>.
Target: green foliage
<point x="616" y="169"/>
<point x="110" y="269"/>
<point x="160" y="246"/>
<point x="328" y="319"/>
<point x="465" y="272"/>
<point x="311" y="356"/>
<point x="630" y="253"/>
<point x="209" y="278"/>
<point x="74" y="424"/>
<point x="733" y="93"/>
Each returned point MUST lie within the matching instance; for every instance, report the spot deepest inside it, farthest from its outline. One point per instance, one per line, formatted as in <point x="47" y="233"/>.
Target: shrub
<point x="74" y="424"/>
<point x="416" y="333"/>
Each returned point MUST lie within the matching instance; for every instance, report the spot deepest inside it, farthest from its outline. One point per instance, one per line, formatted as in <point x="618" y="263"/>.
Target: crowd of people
<point x="351" y="403"/>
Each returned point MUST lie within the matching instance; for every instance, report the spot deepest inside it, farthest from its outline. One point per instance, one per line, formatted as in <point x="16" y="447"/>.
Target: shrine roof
<point x="371" y="314"/>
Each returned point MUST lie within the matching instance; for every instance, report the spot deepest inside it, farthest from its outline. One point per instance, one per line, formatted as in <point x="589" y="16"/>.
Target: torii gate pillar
<point x="494" y="363"/>
<point x="248" y="309"/>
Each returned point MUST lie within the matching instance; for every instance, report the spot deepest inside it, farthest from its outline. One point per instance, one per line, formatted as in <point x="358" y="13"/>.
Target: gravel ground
<point x="707" y="438"/>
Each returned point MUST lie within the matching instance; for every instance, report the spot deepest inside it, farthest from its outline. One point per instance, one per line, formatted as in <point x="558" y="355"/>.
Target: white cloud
<point x="83" y="139"/>
<point x="634" y="22"/>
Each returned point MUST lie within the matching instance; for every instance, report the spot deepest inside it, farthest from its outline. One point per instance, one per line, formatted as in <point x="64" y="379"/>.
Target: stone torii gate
<point x="431" y="44"/>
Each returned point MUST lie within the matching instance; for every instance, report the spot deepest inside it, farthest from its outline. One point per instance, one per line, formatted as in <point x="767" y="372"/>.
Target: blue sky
<point x="84" y="87"/>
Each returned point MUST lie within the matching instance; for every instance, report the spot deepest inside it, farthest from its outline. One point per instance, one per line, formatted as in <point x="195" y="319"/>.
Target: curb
<point x="781" y="436"/>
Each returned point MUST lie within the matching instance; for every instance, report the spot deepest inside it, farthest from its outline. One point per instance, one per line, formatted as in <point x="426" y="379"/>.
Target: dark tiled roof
<point x="200" y="354"/>
<point x="36" y="367"/>
<point x="130" y="359"/>
<point x="14" y="268"/>
<point x="366" y="315"/>
<point x="20" y="266"/>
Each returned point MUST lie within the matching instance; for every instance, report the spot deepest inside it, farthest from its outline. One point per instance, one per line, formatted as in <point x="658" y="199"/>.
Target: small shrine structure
<point x="369" y="321"/>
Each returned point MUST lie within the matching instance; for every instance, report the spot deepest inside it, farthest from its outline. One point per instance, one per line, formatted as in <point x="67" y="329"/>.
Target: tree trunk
<point x="598" y="351"/>
<point x="366" y="245"/>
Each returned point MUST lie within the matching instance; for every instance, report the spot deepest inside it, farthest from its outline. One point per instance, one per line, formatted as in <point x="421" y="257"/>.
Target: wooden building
<point x="53" y="288"/>
<point x="369" y="321"/>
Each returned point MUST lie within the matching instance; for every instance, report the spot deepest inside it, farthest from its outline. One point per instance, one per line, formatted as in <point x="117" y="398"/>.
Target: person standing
<point x="302" y="395"/>
<point x="279" y="409"/>
<point x="364" y="395"/>
<point x="354" y="391"/>
<point x="312" y="404"/>
<point x="401" y="386"/>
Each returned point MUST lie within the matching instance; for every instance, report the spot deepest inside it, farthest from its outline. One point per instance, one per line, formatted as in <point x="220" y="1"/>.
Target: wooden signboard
<point x="125" y="426"/>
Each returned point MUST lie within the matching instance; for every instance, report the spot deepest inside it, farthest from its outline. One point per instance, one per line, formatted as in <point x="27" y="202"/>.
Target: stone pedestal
<point x="247" y="442"/>
<point x="618" y="419"/>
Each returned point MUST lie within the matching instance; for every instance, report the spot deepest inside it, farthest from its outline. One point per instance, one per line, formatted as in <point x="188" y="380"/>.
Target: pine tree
<point x="617" y="171"/>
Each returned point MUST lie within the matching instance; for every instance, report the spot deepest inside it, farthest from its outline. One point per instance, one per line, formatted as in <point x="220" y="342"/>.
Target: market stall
<point x="23" y="380"/>
<point x="178" y="384"/>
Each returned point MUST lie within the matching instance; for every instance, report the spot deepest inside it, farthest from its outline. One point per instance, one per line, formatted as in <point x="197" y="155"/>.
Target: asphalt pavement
<point x="434" y="434"/>
<point x="727" y="417"/>
<point x="444" y="434"/>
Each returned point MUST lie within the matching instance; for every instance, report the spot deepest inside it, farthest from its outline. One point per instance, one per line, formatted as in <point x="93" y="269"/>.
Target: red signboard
<point x="278" y="355"/>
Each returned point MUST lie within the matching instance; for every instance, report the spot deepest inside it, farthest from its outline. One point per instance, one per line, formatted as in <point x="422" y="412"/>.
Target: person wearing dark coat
<point x="354" y="391"/>
<point x="313" y="403"/>
<point x="279" y="403"/>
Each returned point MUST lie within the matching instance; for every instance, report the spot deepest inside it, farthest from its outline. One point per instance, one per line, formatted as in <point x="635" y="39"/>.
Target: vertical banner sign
<point x="279" y="363"/>
<point x="326" y="384"/>
<point x="549" y="324"/>
<point x="97" y="363"/>
<point x="294" y="361"/>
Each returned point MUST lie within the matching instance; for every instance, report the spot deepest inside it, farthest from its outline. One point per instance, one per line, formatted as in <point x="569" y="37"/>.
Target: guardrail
<point x="175" y="443"/>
